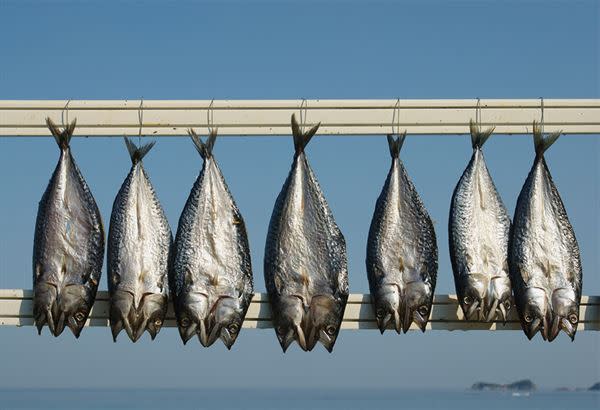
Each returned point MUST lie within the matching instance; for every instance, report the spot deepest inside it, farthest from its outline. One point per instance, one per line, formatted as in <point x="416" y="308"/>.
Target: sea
<point x="350" y="399"/>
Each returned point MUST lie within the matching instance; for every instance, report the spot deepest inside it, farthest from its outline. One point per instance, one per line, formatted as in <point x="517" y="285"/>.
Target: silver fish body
<point x="139" y="242"/>
<point x="212" y="273"/>
<point x="401" y="252"/>
<point x="68" y="246"/>
<point x="305" y="263"/>
<point x="479" y="230"/>
<point x="544" y="259"/>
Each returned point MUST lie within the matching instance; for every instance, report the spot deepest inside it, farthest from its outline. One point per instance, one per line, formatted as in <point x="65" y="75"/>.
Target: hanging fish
<point x="305" y="258"/>
<point x="212" y="274"/>
<point x="479" y="229"/>
<point x="68" y="248"/>
<point x="544" y="260"/>
<point x="139" y="241"/>
<point x="401" y="251"/>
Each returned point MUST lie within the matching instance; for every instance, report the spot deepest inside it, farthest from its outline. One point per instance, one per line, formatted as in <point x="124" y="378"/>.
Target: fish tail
<point x="137" y="153"/>
<point x="301" y="139"/>
<point x="62" y="137"/>
<point x="204" y="148"/>
<point x="540" y="142"/>
<point x="478" y="137"/>
<point x="395" y="144"/>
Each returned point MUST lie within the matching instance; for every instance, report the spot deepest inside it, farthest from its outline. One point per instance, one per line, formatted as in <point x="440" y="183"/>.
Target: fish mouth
<point x="310" y="323"/>
<point x="417" y="314"/>
<point x="223" y="320"/>
<point x="147" y="315"/>
<point x="561" y="323"/>
<point x="486" y="302"/>
<point x="60" y="309"/>
<point x="391" y="319"/>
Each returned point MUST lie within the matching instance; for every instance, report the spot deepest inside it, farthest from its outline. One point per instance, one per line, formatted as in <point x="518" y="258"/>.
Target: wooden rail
<point x="16" y="310"/>
<point x="272" y="117"/>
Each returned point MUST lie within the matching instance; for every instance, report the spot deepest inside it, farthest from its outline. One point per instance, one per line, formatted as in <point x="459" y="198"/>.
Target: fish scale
<point x="68" y="246"/>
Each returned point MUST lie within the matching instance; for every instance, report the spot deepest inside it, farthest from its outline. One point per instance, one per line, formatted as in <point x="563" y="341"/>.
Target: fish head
<point x="152" y="314"/>
<point x="474" y="291"/>
<point x="565" y="310"/>
<point x="387" y="307"/>
<point x="500" y="294"/>
<point x="68" y="307"/>
<point x="225" y="322"/>
<point x="121" y="304"/>
<point x="418" y="297"/>
<point x="44" y="302"/>
<point x="288" y="318"/>
<point x="325" y="319"/>
<point x="191" y="310"/>
<point x="534" y="313"/>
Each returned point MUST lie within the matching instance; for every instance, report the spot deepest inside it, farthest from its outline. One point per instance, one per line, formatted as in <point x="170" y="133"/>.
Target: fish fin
<point x="478" y="137"/>
<point x="204" y="148"/>
<point x="395" y="145"/>
<point x="540" y="142"/>
<point x="62" y="137"/>
<point x="137" y="153"/>
<point x="301" y="139"/>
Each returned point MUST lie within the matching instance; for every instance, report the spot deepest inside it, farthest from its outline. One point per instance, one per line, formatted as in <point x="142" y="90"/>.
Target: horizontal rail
<point x="16" y="307"/>
<point x="272" y="117"/>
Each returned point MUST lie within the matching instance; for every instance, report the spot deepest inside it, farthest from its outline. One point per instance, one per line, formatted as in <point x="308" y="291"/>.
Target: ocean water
<point x="291" y="399"/>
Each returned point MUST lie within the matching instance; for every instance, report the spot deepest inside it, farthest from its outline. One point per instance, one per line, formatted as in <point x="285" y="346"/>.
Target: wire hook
<point x="65" y="110"/>
<point x="542" y="119"/>
<point x="478" y="113"/>
<point x="396" y="110"/>
<point x="141" y="119"/>
<point x="210" y="116"/>
<point x="303" y="109"/>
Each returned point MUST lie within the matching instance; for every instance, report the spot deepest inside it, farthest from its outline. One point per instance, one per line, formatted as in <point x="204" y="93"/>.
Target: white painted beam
<point x="272" y="117"/>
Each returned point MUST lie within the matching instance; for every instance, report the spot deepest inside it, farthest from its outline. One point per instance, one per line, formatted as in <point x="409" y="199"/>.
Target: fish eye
<point x="573" y="318"/>
<point x="330" y="330"/>
<point x="80" y="316"/>
<point x="380" y="313"/>
<point x="528" y="318"/>
<point x="233" y="328"/>
<point x="157" y="322"/>
<point x="467" y="300"/>
<point x="184" y="322"/>
<point x="423" y="310"/>
<point x="507" y="304"/>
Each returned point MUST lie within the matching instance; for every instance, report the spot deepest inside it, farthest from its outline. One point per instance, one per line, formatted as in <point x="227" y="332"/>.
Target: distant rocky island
<point x="521" y="385"/>
<point x="526" y="385"/>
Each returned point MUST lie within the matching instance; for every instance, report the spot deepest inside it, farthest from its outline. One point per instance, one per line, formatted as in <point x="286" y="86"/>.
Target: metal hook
<point x="303" y="108"/>
<point x="396" y="110"/>
<point x="65" y="111"/>
<point x="542" y="119"/>
<point x="141" y="119"/>
<point x="478" y="113"/>
<point x="210" y="116"/>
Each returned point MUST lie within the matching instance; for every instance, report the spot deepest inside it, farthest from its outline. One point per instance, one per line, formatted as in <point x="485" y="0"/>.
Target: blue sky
<point x="293" y="49"/>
